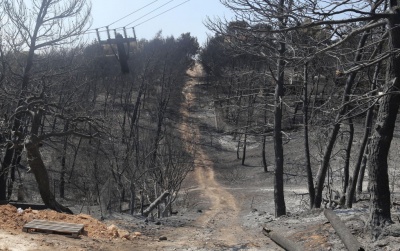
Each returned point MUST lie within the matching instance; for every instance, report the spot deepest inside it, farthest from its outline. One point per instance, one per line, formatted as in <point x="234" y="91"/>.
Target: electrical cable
<point x="176" y="6"/>
<point x="132" y="13"/>
<point x="119" y="28"/>
<point x="148" y="13"/>
<point x="93" y="31"/>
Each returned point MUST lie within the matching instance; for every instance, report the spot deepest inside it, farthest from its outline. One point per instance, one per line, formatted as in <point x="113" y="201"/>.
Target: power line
<point x="93" y="31"/>
<point x="132" y="13"/>
<point x="148" y="13"/>
<point x="176" y="6"/>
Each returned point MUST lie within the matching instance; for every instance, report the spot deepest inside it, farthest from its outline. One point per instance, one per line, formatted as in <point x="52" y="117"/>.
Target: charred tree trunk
<point x="42" y="178"/>
<point x="344" y="233"/>
<point x="132" y="203"/>
<point x="25" y="80"/>
<point x="279" y="197"/>
<point x="362" y="158"/>
<point x="136" y="110"/>
<point x="359" y="168"/>
<point x="264" y="140"/>
<point x="264" y="155"/>
<point x="310" y="182"/>
<point x="244" y="147"/>
<point x="155" y="203"/>
<point x="335" y="128"/>
<point x="280" y="207"/>
<point x="14" y="163"/>
<point x="37" y="166"/>
<point x="346" y="168"/>
<point x="383" y="134"/>
<point x="63" y="163"/>
<point x="362" y="169"/>
<point x="237" y="117"/>
<point x="283" y="242"/>
<point x="238" y="147"/>
<point x="378" y="166"/>
<point x="250" y="113"/>
<point x="9" y="157"/>
<point x="76" y="151"/>
<point x="4" y="172"/>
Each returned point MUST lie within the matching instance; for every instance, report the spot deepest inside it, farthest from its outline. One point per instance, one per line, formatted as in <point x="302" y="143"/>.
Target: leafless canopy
<point x="57" y="22"/>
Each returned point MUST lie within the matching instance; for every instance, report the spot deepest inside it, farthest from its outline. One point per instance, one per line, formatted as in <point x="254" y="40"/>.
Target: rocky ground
<point x="223" y="204"/>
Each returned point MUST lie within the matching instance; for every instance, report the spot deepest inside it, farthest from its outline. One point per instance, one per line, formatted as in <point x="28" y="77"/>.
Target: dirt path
<point x="221" y="220"/>
<point x="219" y="224"/>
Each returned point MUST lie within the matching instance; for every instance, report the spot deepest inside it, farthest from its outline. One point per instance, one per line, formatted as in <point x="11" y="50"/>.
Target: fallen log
<point x="155" y="203"/>
<point x="281" y="241"/>
<point x="344" y="233"/>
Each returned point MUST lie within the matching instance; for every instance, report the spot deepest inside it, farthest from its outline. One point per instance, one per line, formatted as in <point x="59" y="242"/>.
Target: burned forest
<point x="283" y="120"/>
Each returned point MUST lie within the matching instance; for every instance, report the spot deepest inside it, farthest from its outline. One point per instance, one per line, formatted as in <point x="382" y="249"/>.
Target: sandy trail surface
<point x="218" y="227"/>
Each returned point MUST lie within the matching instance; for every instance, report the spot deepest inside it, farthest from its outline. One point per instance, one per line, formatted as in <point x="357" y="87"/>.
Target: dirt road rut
<point x="218" y="227"/>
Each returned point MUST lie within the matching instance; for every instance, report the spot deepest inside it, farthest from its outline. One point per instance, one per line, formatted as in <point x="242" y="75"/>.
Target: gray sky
<point x="188" y="17"/>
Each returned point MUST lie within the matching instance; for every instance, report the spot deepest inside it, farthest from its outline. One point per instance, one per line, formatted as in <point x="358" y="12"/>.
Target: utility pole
<point x="121" y="55"/>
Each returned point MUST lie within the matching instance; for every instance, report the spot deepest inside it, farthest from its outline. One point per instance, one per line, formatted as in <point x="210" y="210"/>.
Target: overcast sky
<point x="188" y="17"/>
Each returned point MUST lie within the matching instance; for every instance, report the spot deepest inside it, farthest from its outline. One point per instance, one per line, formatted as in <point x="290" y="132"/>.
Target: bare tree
<point x="275" y="15"/>
<point x="345" y="22"/>
<point x="49" y="23"/>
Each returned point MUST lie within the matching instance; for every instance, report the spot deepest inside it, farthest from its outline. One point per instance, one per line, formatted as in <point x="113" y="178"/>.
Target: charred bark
<point x="358" y="171"/>
<point x="335" y="128"/>
<point x="378" y="166"/>
<point x="362" y="169"/>
<point x="279" y="198"/>
<point x="264" y="155"/>
<point x="280" y="207"/>
<point x="244" y="147"/>
<point x="4" y="172"/>
<point x="42" y="178"/>
<point x="346" y="168"/>
<point x="383" y="134"/>
<point x="155" y="203"/>
<point x="63" y="163"/>
<point x="310" y="182"/>
<point x="344" y="233"/>
<point x="281" y="241"/>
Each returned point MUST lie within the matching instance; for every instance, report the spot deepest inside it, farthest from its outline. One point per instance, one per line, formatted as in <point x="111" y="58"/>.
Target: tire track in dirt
<point x="220" y="223"/>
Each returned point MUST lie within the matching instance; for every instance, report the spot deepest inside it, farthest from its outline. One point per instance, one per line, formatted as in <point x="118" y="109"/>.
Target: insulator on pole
<point x="108" y="33"/>
<point x="98" y="35"/>
<point x="134" y="33"/>
<point x="125" y="33"/>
